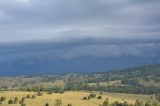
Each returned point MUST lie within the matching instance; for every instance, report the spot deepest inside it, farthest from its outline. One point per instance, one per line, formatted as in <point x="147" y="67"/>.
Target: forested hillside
<point x="142" y="79"/>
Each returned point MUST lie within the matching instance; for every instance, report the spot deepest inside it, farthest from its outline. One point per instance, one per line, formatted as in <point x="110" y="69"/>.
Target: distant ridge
<point x="147" y="67"/>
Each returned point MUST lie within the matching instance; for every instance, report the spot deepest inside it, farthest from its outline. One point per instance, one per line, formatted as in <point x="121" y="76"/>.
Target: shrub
<point x="92" y="95"/>
<point x="10" y="102"/>
<point x="101" y="93"/>
<point x="39" y="94"/>
<point x="28" y="96"/>
<point x="61" y="91"/>
<point x="84" y="98"/>
<point x="69" y="105"/>
<point x="116" y="103"/>
<point x="15" y="101"/>
<point x="16" y="98"/>
<point x="33" y="96"/>
<point x="148" y="104"/>
<point x="23" y="104"/>
<point x="89" y="97"/>
<point x="58" y="102"/>
<point x="138" y="103"/>
<point x="20" y="102"/>
<point x="125" y="103"/>
<point x="3" y="98"/>
<point x="106" y="102"/>
<point x="49" y="92"/>
<point x="23" y="98"/>
<point x="99" y="97"/>
<point x="155" y="104"/>
<point x="157" y="97"/>
<point x="56" y="91"/>
<point x="46" y="104"/>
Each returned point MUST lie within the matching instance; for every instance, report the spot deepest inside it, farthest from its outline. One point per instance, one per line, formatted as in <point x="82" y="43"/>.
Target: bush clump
<point x="23" y="98"/>
<point x="49" y="92"/>
<point x="99" y="97"/>
<point x="58" y="102"/>
<point x="2" y="98"/>
<point x="28" y="96"/>
<point x="85" y="98"/>
<point x="15" y="100"/>
<point x="47" y="104"/>
<point x="106" y="103"/>
<point x="11" y="101"/>
<point x="61" y="91"/>
<point x="39" y="94"/>
<point x="92" y="95"/>
<point x="69" y="104"/>
<point x="33" y="97"/>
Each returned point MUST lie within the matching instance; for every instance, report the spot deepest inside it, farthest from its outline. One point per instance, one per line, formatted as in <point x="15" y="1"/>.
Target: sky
<point x="43" y="36"/>
<point x="61" y="20"/>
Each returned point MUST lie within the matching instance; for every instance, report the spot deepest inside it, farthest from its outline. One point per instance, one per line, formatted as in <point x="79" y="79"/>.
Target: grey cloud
<point x="60" y="19"/>
<point x="102" y="51"/>
<point x="113" y="50"/>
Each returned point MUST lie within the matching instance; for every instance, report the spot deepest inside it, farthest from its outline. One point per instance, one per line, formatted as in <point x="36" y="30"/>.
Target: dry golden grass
<point x="75" y="98"/>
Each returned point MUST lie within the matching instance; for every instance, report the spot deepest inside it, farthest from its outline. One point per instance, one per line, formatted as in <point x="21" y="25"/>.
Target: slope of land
<point x="142" y="79"/>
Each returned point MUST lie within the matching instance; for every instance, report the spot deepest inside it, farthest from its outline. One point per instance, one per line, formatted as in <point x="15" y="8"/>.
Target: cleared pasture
<point x="73" y="97"/>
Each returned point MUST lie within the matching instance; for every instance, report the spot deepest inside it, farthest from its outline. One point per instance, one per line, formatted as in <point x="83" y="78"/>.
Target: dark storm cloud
<point x="24" y="20"/>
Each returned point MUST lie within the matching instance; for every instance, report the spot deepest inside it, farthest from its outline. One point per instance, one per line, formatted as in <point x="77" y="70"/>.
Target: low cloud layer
<point x="73" y="51"/>
<point x="58" y="20"/>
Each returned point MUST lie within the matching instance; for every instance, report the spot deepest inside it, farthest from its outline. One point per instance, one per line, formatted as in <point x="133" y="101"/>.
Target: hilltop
<point x="141" y="79"/>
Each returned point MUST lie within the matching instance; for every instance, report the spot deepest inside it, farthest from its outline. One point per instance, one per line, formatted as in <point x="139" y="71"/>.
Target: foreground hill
<point x="142" y="79"/>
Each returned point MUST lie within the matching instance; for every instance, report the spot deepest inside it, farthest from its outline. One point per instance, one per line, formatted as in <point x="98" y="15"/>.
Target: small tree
<point x="99" y="97"/>
<point x="84" y="98"/>
<point x="46" y="104"/>
<point x="155" y="104"/>
<point x="148" y="104"/>
<point x="138" y="103"/>
<point x="3" y="98"/>
<point x="89" y="97"/>
<point x="39" y="94"/>
<point x="15" y="100"/>
<point x="125" y="103"/>
<point x="69" y="105"/>
<point x="106" y="102"/>
<point x="49" y="92"/>
<point x="23" y="99"/>
<point x="10" y="102"/>
<point x="33" y="96"/>
<point x="157" y="97"/>
<point x="101" y="93"/>
<point x="58" y="102"/>
<point x="23" y="104"/>
<point x="61" y="91"/>
<point x="92" y="95"/>
<point x="28" y="96"/>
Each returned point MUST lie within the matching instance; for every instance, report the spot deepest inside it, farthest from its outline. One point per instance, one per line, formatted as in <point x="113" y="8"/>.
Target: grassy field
<point x="75" y="98"/>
